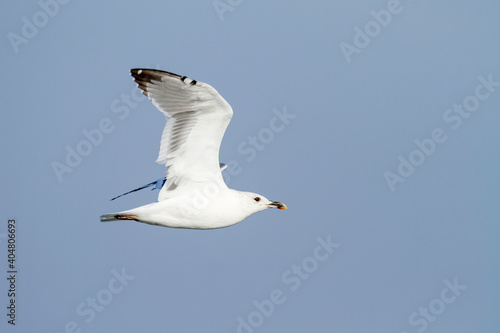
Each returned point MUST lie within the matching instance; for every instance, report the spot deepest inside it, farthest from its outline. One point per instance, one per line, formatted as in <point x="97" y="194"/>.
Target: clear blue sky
<point x="387" y="160"/>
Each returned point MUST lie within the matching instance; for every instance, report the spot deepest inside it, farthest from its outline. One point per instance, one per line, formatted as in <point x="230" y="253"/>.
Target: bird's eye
<point x="257" y="199"/>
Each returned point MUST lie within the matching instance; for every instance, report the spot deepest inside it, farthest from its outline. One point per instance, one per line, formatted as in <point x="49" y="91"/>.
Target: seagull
<point x="156" y="185"/>
<point x="194" y="194"/>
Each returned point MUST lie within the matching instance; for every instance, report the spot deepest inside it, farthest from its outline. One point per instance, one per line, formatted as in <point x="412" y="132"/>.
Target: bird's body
<point x="192" y="212"/>
<point x="194" y="194"/>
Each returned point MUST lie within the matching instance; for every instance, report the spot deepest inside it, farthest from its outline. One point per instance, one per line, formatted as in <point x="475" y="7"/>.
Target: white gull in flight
<point x="194" y="195"/>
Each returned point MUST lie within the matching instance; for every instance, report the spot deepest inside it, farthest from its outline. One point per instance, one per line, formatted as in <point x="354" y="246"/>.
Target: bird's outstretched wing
<point x="157" y="184"/>
<point x="197" y="117"/>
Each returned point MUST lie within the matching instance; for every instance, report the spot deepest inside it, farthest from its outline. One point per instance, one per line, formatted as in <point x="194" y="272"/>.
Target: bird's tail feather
<point x="108" y="218"/>
<point x="117" y="217"/>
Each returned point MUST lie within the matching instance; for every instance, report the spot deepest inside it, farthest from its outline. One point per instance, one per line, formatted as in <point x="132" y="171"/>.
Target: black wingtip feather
<point x="145" y="75"/>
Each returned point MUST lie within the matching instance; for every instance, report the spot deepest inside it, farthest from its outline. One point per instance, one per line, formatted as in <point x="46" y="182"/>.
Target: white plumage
<point x="194" y="194"/>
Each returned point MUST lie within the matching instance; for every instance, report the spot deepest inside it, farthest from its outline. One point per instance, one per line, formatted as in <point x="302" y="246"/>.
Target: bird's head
<point x="257" y="202"/>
